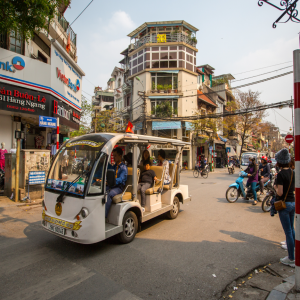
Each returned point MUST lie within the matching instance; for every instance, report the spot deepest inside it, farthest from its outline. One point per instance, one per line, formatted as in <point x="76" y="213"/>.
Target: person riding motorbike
<point x="264" y="169"/>
<point x="252" y="177"/>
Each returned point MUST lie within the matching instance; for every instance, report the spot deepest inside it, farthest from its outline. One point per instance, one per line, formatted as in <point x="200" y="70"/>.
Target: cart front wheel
<point x="130" y="227"/>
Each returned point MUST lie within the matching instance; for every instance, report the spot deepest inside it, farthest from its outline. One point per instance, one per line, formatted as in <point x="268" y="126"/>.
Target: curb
<point x="280" y="291"/>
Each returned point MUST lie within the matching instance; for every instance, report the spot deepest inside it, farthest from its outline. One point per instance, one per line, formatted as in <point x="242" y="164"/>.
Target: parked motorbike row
<point x="239" y="189"/>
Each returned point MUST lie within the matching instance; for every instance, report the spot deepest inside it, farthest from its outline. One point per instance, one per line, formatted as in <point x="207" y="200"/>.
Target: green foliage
<point x="160" y="87"/>
<point x="216" y="82"/>
<point x="153" y="86"/>
<point x="164" y="109"/>
<point x="27" y="16"/>
<point x="166" y="87"/>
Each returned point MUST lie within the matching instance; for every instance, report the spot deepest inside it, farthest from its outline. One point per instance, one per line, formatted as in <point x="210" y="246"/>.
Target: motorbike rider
<point x="252" y="177"/>
<point x="264" y="169"/>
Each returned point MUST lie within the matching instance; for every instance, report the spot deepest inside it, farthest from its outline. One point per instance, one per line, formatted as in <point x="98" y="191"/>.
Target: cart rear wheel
<point x="173" y="213"/>
<point x="130" y="227"/>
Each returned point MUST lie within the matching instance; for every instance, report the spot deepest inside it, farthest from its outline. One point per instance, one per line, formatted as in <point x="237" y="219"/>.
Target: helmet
<point x="264" y="158"/>
<point x="252" y="157"/>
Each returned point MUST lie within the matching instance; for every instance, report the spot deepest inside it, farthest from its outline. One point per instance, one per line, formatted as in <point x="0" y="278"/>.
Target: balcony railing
<point x="65" y="25"/>
<point x="170" y="37"/>
<point x="165" y="92"/>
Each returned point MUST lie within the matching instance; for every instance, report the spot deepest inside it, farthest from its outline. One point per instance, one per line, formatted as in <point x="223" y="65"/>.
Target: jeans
<point x="143" y="186"/>
<point x="113" y="192"/>
<point x="287" y="217"/>
<point x="262" y="182"/>
<point x="253" y="187"/>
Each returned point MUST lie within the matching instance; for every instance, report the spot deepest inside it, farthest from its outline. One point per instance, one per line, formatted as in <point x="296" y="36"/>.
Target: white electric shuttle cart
<point x="74" y="203"/>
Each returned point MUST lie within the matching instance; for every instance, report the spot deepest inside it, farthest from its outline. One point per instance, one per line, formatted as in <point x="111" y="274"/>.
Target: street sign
<point x="289" y="138"/>
<point x="227" y="149"/>
<point x="36" y="177"/>
<point x="47" y="122"/>
<point x="210" y="148"/>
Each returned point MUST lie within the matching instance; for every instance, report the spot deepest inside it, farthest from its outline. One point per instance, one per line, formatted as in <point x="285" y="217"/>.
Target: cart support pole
<point x="134" y="174"/>
<point x="296" y="63"/>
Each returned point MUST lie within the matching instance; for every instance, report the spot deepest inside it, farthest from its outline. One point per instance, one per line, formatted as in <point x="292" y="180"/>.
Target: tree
<point x="85" y="119"/>
<point x="27" y="16"/>
<point x="163" y="109"/>
<point x="249" y="121"/>
<point x="208" y="125"/>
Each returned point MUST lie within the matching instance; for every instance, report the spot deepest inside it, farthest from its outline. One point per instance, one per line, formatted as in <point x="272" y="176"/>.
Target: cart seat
<point x="171" y="167"/>
<point x="158" y="186"/>
<point x="127" y="194"/>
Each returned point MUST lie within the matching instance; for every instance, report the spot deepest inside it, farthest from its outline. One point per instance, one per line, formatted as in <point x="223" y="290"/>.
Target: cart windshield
<point x="73" y="165"/>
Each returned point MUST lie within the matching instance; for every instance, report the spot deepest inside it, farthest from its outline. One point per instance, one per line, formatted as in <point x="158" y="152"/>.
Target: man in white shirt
<point x="163" y="162"/>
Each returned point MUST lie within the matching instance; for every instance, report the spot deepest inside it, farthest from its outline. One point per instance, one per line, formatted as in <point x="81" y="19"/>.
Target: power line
<point x="281" y="116"/>
<point x="262" y="68"/>
<point x="260" y="74"/>
<point x="81" y="13"/>
<point x="228" y="113"/>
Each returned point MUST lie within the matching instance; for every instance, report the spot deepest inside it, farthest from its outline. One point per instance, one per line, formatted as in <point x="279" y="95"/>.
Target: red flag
<point x="129" y="128"/>
<point x="68" y="48"/>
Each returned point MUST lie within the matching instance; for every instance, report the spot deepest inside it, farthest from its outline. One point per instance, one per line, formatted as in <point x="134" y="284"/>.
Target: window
<point x="42" y="57"/>
<point x="15" y="42"/>
<point x="159" y="80"/>
<point x="119" y="82"/>
<point x="165" y="108"/>
<point x="119" y="103"/>
<point x="41" y="44"/>
<point x="3" y="40"/>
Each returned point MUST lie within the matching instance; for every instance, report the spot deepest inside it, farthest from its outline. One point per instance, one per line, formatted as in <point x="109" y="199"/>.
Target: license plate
<point x="57" y="229"/>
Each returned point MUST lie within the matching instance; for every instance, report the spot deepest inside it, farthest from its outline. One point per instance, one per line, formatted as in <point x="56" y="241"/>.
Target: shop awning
<point x="188" y="125"/>
<point x="163" y="97"/>
<point x="166" y="125"/>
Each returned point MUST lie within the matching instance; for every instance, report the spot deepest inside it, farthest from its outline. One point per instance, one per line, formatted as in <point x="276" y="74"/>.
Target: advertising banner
<point x="65" y="77"/>
<point x="17" y="99"/>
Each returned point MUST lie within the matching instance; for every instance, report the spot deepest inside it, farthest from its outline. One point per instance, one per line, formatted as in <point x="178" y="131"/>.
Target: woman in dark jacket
<point x="285" y="189"/>
<point x="252" y="177"/>
<point x="264" y="169"/>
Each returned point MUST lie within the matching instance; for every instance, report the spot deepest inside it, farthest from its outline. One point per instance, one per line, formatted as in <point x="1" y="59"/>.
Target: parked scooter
<point x="231" y="168"/>
<point x="238" y="189"/>
<point x="266" y="204"/>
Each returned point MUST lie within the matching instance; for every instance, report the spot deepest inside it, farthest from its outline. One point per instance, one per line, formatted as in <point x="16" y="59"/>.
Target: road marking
<point x="124" y="295"/>
<point x="11" y="263"/>
<point x="51" y="286"/>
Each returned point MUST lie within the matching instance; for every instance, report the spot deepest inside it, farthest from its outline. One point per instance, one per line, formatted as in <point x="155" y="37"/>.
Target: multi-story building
<point x="162" y="66"/>
<point x="39" y="78"/>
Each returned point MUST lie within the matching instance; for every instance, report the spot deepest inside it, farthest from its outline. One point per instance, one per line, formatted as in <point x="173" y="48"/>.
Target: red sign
<point x="289" y="138"/>
<point x="148" y="146"/>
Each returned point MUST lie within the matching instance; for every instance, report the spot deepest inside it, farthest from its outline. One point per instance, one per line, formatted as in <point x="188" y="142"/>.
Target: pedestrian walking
<point x="285" y="190"/>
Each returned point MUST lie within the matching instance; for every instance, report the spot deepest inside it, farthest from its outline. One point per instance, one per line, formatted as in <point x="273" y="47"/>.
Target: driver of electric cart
<point x="121" y="176"/>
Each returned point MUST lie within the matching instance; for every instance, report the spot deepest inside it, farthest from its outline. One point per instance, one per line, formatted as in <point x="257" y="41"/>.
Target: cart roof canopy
<point x="107" y="141"/>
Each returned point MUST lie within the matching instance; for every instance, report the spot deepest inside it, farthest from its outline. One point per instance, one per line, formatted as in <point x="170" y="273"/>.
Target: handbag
<point x="280" y="205"/>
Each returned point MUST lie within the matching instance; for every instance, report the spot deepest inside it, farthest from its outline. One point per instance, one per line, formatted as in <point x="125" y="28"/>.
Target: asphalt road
<point x="169" y="259"/>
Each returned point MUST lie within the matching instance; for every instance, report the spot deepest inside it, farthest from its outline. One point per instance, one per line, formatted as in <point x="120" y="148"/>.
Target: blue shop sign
<point x="138" y="126"/>
<point x="188" y="125"/>
<point x="166" y="125"/>
<point x="47" y="122"/>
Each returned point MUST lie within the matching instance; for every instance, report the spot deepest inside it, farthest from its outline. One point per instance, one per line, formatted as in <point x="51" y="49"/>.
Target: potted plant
<point x="153" y="88"/>
<point x="152" y="113"/>
<point x="169" y="88"/>
<point x="159" y="88"/>
<point x="194" y="40"/>
<point x="166" y="87"/>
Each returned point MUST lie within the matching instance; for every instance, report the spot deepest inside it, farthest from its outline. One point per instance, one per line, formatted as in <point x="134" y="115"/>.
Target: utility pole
<point x="296" y="64"/>
<point x="144" y="113"/>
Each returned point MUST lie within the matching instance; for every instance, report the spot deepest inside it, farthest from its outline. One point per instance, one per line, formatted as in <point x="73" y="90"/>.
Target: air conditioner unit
<point x="131" y="47"/>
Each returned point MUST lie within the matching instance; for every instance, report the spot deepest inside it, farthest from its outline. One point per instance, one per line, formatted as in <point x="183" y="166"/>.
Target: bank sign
<point x="17" y="63"/>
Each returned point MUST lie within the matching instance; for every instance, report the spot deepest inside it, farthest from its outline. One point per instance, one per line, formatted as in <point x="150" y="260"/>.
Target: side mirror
<point x="111" y="178"/>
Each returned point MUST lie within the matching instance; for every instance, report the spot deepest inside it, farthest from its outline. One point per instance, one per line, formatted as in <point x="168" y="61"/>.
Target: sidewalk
<point x="274" y="281"/>
<point x="6" y="202"/>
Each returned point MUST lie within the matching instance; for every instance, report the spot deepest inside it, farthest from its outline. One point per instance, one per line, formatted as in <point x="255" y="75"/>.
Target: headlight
<point x="84" y="212"/>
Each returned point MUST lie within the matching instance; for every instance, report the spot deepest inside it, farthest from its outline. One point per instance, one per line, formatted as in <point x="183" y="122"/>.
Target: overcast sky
<point x="235" y="36"/>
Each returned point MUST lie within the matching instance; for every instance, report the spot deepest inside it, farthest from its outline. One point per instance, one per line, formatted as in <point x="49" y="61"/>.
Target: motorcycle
<point x="231" y="168"/>
<point x="266" y="204"/>
<point x="239" y="188"/>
